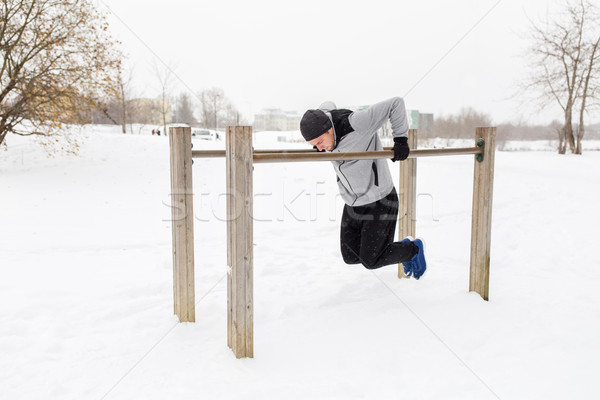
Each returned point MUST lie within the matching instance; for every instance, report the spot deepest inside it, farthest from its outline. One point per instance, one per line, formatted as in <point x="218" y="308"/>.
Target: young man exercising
<point x="366" y="186"/>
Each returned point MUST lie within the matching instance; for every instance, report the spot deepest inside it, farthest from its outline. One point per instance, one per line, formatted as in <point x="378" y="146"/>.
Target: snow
<point x="86" y="282"/>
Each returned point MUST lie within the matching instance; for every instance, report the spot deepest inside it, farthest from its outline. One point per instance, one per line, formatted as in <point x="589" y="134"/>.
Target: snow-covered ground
<point x="86" y="283"/>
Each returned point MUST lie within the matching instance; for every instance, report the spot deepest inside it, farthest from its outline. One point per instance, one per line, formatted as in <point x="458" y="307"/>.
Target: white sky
<point x="294" y="55"/>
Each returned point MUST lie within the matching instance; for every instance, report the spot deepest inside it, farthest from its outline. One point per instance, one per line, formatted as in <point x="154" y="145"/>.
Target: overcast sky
<point x="439" y="55"/>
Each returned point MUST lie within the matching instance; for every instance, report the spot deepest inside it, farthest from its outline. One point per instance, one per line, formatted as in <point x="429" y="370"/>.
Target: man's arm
<point x="374" y="117"/>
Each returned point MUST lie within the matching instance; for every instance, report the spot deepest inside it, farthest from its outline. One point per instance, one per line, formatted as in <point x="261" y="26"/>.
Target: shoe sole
<point x="423" y="255"/>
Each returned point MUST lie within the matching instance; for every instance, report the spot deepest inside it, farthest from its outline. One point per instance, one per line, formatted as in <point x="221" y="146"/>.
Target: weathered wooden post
<point x="481" y="226"/>
<point x="407" y="196"/>
<point x="182" y="222"/>
<point x="240" y="316"/>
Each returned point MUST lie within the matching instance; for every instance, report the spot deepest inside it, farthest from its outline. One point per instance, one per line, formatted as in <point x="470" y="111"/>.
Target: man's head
<point x="324" y="142"/>
<point x="316" y="128"/>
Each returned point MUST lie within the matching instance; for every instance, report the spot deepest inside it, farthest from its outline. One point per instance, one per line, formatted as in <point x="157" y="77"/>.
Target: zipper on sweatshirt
<point x="374" y="167"/>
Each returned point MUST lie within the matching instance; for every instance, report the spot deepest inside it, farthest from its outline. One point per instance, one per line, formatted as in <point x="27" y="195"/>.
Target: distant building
<point x="425" y="126"/>
<point x="293" y="121"/>
<point x="274" y="119"/>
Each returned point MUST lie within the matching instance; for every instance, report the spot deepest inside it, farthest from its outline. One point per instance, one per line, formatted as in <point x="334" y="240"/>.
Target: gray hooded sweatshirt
<point x="365" y="181"/>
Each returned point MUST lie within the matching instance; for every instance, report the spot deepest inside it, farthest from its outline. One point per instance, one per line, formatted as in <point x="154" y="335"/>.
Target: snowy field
<point x="86" y="283"/>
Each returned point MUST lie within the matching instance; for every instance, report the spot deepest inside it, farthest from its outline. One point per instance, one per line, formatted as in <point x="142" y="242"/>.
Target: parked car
<point x="205" y="134"/>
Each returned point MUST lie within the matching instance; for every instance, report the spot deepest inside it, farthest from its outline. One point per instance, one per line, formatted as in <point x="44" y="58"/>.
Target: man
<point x="366" y="186"/>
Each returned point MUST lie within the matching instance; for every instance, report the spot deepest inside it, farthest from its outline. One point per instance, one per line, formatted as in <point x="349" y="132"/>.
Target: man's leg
<point x="350" y="237"/>
<point x="377" y="247"/>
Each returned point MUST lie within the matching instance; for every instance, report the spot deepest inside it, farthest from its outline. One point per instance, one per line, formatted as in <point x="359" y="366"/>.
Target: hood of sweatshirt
<point x="339" y="120"/>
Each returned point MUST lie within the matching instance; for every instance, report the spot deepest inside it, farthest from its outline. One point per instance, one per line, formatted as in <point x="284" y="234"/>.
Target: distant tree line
<point x="209" y="109"/>
<point x="462" y="124"/>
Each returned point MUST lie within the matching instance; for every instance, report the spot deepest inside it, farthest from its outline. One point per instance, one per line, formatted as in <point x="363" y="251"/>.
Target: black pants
<point x="367" y="234"/>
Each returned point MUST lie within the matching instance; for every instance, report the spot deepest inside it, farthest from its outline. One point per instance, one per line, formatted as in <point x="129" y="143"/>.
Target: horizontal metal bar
<point x="208" y="153"/>
<point x="287" y="151"/>
<point x="272" y="156"/>
<point x="365" y="155"/>
<point x="221" y="153"/>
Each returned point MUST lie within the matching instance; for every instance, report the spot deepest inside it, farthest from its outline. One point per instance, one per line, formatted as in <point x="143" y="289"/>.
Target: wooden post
<point x="481" y="227"/>
<point x="182" y="222"/>
<point x="407" y="196"/>
<point x="239" y="153"/>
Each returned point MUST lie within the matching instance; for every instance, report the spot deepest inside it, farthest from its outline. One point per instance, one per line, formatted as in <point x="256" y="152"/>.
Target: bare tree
<point x="217" y="110"/>
<point x="564" y="64"/>
<point x="231" y="116"/>
<point x="211" y="101"/>
<point x="185" y="110"/>
<point x="590" y="85"/>
<point x="165" y="76"/>
<point x="57" y="59"/>
<point x="124" y="95"/>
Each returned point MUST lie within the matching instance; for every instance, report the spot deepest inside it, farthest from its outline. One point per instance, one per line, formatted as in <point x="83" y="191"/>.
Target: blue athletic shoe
<point x="417" y="265"/>
<point x="408" y="265"/>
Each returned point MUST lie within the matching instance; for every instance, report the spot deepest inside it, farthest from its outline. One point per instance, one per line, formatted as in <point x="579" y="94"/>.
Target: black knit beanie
<point x="314" y="123"/>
